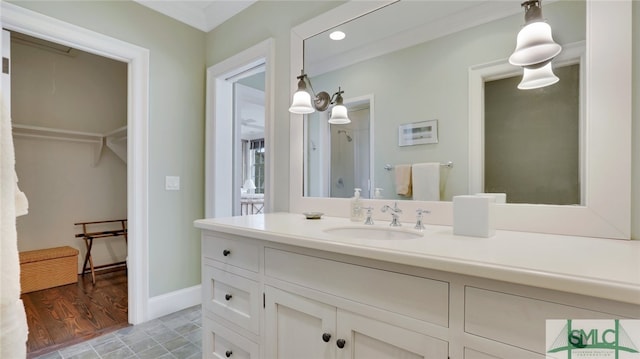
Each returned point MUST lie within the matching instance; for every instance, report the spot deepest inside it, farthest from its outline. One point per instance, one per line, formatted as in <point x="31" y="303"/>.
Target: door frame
<point x="219" y="92"/>
<point x="13" y="17"/>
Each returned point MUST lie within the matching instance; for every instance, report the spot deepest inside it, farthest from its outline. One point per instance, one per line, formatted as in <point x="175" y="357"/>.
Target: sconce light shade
<point x="301" y="103"/>
<point x="534" y="78"/>
<point x="339" y="115"/>
<point x="534" y="45"/>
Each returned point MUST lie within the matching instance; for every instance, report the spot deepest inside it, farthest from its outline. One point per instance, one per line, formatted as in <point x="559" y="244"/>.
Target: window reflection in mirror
<point x="418" y="81"/>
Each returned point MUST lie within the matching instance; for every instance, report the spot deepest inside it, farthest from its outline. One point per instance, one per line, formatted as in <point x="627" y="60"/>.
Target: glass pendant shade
<point x="538" y="77"/>
<point x="301" y="103"/>
<point x="534" y="45"/>
<point x="339" y="115"/>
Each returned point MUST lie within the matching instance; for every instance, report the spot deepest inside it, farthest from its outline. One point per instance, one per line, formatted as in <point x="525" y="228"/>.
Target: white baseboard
<point x="172" y="302"/>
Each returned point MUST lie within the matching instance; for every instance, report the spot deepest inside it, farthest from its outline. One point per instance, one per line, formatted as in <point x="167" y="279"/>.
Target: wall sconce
<point x="535" y="48"/>
<point x="303" y="103"/>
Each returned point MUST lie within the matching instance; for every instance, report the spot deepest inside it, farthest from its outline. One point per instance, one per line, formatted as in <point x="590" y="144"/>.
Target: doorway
<point x="350" y="153"/>
<point x="69" y="132"/>
<point x="339" y="158"/>
<point x="238" y="134"/>
<point x="137" y="58"/>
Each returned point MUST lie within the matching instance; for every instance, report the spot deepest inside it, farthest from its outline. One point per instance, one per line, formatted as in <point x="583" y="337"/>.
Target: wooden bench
<point x="48" y="268"/>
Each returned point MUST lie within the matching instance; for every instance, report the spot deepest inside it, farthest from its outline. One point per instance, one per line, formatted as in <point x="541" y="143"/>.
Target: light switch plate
<point x="172" y="183"/>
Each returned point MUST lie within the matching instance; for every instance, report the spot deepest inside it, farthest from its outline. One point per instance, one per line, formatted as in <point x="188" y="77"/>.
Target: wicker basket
<point x="47" y="268"/>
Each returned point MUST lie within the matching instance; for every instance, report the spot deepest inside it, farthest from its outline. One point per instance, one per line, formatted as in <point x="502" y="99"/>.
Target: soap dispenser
<point x="378" y="194"/>
<point x="356" y="206"/>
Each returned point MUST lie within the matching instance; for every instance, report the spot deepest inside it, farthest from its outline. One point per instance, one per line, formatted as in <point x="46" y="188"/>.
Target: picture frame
<point x="418" y="133"/>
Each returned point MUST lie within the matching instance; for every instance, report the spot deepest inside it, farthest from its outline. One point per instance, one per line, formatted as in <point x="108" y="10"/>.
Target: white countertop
<point x="605" y="268"/>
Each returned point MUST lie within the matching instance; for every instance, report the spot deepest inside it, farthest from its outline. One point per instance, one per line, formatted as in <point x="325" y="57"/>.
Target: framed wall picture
<point x="418" y="133"/>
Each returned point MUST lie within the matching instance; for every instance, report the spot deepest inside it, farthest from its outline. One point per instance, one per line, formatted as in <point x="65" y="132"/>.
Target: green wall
<point x="176" y="126"/>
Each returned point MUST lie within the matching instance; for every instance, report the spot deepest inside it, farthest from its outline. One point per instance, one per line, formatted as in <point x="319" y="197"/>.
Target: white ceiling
<point x="204" y="15"/>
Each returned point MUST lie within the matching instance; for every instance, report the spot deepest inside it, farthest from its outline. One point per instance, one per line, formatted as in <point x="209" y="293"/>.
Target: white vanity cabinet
<point x="336" y="309"/>
<point x="299" y="327"/>
<point x="279" y="296"/>
<point x="231" y="297"/>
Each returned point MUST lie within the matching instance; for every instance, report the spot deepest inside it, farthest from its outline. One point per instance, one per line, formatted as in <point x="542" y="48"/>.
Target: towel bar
<point x="449" y="164"/>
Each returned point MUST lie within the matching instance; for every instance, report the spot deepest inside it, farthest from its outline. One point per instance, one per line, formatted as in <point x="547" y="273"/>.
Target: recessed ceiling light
<point x="337" y="35"/>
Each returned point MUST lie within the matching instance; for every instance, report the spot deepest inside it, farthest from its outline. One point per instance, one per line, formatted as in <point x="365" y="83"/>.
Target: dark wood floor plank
<point x="66" y="315"/>
<point x="38" y="332"/>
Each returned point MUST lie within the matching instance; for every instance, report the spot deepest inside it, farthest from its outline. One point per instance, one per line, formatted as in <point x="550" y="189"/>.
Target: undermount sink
<point x="362" y="232"/>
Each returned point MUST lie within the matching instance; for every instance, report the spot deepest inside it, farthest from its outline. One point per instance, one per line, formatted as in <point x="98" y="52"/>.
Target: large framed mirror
<point x="603" y="205"/>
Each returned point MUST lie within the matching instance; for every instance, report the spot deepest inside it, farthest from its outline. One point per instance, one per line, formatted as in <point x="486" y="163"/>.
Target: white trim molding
<point x="172" y="302"/>
<point x="215" y="161"/>
<point x="28" y="22"/>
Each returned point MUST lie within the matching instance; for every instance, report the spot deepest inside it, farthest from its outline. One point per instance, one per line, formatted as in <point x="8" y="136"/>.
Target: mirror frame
<point x="607" y="209"/>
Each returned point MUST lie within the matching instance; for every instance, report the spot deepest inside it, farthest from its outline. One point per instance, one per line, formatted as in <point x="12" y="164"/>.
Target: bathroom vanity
<point x="281" y="286"/>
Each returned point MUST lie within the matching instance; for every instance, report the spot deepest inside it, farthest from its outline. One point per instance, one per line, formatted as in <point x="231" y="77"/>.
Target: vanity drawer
<point x="238" y="253"/>
<point x="416" y="297"/>
<point x="516" y="320"/>
<point x="220" y="342"/>
<point x="232" y="297"/>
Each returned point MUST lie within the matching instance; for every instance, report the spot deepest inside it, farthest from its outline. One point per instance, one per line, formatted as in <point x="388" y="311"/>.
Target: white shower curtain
<point x="13" y="203"/>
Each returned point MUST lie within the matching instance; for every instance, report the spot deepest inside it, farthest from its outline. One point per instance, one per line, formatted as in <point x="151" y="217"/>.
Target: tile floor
<point x="175" y="336"/>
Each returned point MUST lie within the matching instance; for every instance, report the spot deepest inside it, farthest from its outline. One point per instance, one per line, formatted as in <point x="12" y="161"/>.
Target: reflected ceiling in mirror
<point x="413" y="57"/>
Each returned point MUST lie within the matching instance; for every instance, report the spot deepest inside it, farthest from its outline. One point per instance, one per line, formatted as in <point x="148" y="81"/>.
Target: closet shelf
<point x="56" y="134"/>
<point x="115" y="140"/>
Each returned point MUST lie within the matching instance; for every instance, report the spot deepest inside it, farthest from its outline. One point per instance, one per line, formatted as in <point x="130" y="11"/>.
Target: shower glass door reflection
<point x="350" y="161"/>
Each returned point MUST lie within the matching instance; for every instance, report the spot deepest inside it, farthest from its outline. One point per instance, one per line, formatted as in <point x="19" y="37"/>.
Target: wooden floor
<point x="65" y="315"/>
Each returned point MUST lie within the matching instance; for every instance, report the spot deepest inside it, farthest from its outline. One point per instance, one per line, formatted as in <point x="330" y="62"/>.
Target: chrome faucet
<point x="395" y="213"/>
<point x="369" y="216"/>
<point x="419" y="226"/>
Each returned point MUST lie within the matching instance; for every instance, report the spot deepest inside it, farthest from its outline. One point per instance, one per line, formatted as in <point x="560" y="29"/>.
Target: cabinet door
<point x="297" y="327"/>
<point x="365" y="338"/>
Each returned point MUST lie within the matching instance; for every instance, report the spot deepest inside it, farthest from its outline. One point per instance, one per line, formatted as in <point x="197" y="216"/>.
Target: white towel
<point x="426" y="181"/>
<point x="13" y="322"/>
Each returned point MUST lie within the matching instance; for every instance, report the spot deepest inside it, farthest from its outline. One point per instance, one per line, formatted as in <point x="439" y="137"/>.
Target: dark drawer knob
<point x="326" y="337"/>
<point x="340" y="343"/>
<point x="226" y="252"/>
<point x="228" y="353"/>
<point x="228" y="296"/>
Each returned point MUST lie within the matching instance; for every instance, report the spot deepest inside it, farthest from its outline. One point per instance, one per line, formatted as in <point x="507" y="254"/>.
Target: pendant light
<point x="534" y="44"/>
